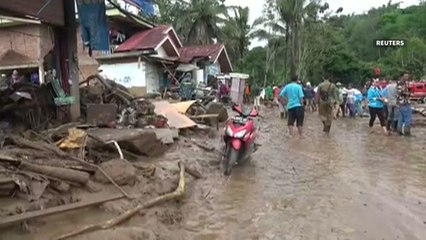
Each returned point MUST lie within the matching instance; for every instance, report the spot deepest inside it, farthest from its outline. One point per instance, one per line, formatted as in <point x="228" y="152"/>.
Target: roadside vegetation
<point x="306" y="37"/>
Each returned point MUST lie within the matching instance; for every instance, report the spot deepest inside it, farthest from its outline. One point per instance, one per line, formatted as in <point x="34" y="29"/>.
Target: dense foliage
<point x="306" y="37"/>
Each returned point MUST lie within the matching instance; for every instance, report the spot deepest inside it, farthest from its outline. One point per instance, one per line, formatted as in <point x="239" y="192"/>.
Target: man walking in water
<point x="327" y="94"/>
<point x="391" y="94"/>
<point x="293" y="96"/>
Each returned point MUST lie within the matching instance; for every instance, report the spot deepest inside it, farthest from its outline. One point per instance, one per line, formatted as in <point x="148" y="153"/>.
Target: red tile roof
<point x="189" y="53"/>
<point x="214" y="52"/>
<point x="145" y="40"/>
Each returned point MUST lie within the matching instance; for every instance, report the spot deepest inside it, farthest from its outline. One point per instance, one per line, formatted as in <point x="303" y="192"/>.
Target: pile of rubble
<point x="103" y="99"/>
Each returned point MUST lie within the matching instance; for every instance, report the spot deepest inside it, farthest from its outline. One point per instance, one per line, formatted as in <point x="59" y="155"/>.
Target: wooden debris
<point x="5" y="221"/>
<point x="180" y="190"/>
<point x="57" y="172"/>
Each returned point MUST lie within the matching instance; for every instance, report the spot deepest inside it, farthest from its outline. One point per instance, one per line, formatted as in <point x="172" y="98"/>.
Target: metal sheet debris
<point x="176" y="119"/>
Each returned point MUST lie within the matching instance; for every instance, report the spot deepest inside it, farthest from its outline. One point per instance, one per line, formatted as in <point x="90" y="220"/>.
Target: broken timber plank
<point x="5" y="221"/>
<point x="214" y="116"/>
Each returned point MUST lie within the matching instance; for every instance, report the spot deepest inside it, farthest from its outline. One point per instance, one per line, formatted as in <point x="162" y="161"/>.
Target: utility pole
<point x="71" y="36"/>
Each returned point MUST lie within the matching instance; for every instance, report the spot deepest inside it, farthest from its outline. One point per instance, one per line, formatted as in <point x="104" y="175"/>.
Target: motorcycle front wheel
<point x="230" y="158"/>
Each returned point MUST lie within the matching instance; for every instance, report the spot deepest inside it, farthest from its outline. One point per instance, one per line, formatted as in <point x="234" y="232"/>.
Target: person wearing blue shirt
<point x="293" y="95"/>
<point x="376" y="105"/>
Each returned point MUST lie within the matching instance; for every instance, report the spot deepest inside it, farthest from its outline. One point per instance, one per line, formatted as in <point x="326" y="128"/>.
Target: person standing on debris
<point x="293" y="96"/>
<point x="327" y="95"/>
<point x="405" y="111"/>
<point x="391" y="94"/>
<point x="187" y="87"/>
<point x="375" y="106"/>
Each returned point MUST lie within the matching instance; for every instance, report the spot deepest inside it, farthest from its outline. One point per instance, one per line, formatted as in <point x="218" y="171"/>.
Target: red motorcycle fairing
<point x="236" y="143"/>
<point x="235" y="127"/>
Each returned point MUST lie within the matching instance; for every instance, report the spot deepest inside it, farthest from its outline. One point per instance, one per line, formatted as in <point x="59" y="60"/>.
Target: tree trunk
<point x="287" y="38"/>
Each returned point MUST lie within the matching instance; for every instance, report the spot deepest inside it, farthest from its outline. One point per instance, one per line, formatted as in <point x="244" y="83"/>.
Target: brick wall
<point x="23" y="39"/>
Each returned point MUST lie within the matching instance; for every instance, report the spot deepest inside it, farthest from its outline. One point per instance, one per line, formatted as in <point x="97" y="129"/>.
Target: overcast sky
<point x="349" y="6"/>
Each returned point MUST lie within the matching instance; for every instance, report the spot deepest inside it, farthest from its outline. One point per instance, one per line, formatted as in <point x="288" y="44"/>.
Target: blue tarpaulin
<point x="146" y="6"/>
<point x="93" y="24"/>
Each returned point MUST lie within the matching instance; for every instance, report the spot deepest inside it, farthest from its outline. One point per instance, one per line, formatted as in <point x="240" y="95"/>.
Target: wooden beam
<point x="6" y="221"/>
<point x="71" y="33"/>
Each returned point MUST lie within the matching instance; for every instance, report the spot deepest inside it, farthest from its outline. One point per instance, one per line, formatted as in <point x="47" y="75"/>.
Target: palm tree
<point x="289" y="17"/>
<point x="199" y="21"/>
<point x="236" y="32"/>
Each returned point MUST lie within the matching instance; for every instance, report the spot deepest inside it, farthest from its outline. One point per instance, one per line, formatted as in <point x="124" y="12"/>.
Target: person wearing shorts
<point x="293" y="96"/>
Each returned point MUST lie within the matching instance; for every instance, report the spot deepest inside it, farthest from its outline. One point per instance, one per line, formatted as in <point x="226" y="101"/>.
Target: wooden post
<point x="40" y="55"/>
<point x="71" y="32"/>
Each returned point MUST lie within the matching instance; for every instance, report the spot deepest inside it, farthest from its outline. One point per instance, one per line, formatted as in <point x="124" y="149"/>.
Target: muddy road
<point x="349" y="185"/>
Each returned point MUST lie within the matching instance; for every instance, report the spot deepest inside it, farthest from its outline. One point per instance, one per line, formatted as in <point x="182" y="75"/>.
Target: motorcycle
<point x="239" y="137"/>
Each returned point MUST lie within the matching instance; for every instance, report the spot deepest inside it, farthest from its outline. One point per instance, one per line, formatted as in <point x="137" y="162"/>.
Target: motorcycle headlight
<point x="240" y="134"/>
<point x="229" y="132"/>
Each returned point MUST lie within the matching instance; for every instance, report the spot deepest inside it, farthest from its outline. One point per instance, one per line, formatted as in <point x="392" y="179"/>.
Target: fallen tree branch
<point x="180" y="190"/>
<point x="41" y="146"/>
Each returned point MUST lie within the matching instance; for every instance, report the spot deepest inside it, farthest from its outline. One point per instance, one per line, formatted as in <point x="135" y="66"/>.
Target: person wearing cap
<point x="326" y="96"/>
<point x="309" y="96"/>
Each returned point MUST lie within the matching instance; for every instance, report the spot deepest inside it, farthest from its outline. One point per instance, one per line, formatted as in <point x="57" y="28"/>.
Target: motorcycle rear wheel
<point x="229" y="161"/>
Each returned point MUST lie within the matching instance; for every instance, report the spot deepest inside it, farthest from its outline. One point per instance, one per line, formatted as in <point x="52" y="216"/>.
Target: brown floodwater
<point x="349" y="185"/>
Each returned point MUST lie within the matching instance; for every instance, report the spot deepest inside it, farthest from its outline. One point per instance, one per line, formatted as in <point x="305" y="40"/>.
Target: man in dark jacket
<point x="309" y="97"/>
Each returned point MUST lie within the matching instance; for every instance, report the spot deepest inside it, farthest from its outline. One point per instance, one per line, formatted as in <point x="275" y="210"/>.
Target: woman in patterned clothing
<point x="405" y="111"/>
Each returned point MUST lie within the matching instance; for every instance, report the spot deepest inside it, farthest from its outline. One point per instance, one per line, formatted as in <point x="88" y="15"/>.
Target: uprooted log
<point x="6" y="221"/>
<point x="180" y="190"/>
<point x="58" y="152"/>
<point x="58" y="172"/>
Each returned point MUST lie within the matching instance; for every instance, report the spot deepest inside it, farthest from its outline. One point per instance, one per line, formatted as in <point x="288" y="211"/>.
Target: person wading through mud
<point x="350" y="101"/>
<point x="405" y="111"/>
<point x="327" y="95"/>
<point x="256" y="92"/>
<point x="247" y="94"/>
<point x="391" y="94"/>
<point x="282" y="106"/>
<point x="309" y="96"/>
<point x="376" y="106"/>
<point x="293" y="96"/>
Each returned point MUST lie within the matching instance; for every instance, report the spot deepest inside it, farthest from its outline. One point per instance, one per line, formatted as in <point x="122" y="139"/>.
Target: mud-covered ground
<point x="349" y="185"/>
